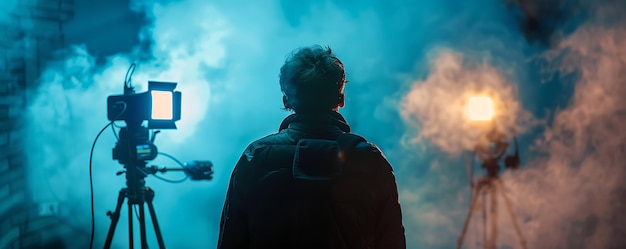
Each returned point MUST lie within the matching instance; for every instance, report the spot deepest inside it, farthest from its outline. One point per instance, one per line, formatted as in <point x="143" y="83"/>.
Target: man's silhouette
<point x="313" y="184"/>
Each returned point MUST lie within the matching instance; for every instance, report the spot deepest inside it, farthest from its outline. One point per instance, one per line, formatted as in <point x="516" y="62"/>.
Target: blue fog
<point x="408" y="64"/>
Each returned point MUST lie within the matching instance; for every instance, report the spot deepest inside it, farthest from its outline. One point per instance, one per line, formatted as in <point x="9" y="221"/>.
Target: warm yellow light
<point x="162" y="105"/>
<point x="480" y="109"/>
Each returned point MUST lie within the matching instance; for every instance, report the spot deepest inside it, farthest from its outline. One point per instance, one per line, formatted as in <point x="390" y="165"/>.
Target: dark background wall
<point x="31" y="32"/>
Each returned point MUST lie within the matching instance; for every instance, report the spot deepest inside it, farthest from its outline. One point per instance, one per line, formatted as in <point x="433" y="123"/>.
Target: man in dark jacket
<point x="313" y="184"/>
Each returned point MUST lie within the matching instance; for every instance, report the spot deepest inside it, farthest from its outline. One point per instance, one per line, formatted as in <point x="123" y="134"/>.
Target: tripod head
<point x="135" y="148"/>
<point x="491" y="147"/>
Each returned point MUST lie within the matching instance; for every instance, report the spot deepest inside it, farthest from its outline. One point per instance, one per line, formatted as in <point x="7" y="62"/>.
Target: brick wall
<point x="40" y="23"/>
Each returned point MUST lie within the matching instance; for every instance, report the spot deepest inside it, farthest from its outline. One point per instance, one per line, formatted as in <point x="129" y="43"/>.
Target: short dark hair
<point x="312" y="79"/>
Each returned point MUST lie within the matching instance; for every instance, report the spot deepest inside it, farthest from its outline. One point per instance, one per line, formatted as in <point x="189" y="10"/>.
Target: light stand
<point x="132" y="150"/>
<point x="490" y="149"/>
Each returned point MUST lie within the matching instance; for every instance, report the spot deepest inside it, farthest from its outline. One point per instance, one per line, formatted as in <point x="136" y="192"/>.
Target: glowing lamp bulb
<point x="162" y="105"/>
<point x="480" y="109"/>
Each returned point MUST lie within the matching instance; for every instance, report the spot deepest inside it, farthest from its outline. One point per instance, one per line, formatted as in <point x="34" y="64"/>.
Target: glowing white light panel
<point x="162" y="105"/>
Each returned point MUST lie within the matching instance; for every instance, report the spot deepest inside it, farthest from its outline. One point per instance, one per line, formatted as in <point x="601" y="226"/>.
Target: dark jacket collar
<point x="316" y="119"/>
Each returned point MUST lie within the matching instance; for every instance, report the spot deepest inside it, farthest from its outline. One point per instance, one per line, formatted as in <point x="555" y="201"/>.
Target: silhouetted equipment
<point x="132" y="150"/>
<point x="490" y="148"/>
<point x="196" y="170"/>
<point x="160" y="106"/>
<point x="199" y="170"/>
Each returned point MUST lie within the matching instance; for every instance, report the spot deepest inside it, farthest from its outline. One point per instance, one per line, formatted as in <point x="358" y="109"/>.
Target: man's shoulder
<point x="280" y="138"/>
<point x="363" y="151"/>
<point x="357" y="143"/>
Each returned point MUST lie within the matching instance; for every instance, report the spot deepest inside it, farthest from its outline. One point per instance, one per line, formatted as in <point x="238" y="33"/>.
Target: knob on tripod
<point x="513" y="162"/>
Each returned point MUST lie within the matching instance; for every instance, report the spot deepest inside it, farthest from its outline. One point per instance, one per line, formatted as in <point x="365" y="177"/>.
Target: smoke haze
<point x="410" y="67"/>
<point x="581" y="176"/>
<point x="438" y="104"/>
<point x="5" y="12"/>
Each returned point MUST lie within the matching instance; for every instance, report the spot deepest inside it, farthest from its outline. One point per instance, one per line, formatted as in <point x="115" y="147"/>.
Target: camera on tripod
<point x="160" y="106"/>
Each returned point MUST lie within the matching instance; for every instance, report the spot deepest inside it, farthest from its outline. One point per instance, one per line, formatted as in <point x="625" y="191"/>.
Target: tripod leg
<point x="115" y="216"/>
<point x="473" y="203"/>
<point x="484" y="211"/>
<point x="130" y="225"/>
<point x="510" y="210"/>
<point x="491" y="243"/>
<point x="142" y="226"/>
<point x="157" y="229"/>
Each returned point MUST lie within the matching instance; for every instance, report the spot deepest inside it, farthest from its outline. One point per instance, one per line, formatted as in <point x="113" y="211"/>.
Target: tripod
<point x="491" y="149"/>
<point x="488" y="187"/>
<point x="133" y="149"/>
